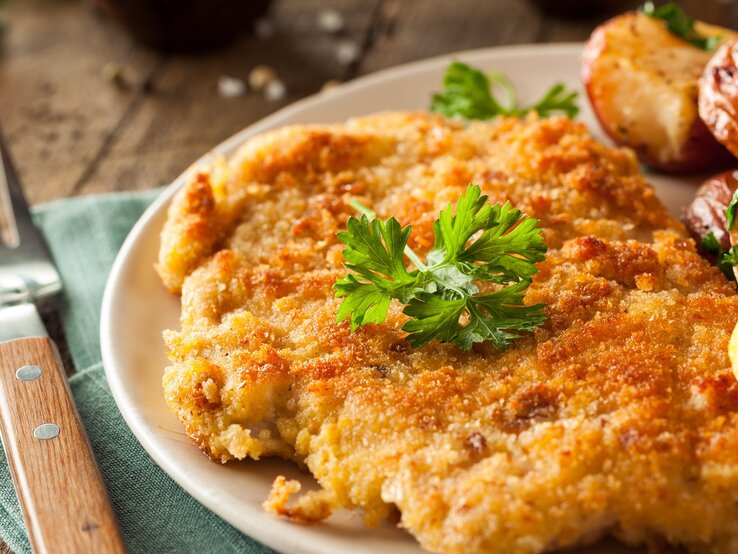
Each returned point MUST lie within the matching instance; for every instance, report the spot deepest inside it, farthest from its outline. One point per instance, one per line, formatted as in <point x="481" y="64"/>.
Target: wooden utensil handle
<point x="61" y="491"/>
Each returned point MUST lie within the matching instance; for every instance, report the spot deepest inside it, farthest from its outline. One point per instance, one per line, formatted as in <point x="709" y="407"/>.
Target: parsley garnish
<point x="681" y="25"/>
<point x="729" y="259"/>
<point x="710" y="243"/>
<point x="441" y="294"/>
<point x="468" y="93"/>
<point x="724" y="260"/>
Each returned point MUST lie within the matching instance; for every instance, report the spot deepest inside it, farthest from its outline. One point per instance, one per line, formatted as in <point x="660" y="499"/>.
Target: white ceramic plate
<point x="136" y="307"/>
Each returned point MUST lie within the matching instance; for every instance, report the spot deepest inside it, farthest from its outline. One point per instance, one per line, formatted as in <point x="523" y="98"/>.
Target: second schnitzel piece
<point x="618" y="416"/>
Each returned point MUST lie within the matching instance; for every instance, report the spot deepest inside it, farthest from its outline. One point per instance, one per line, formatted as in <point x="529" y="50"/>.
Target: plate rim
<point x="131" y="416"/>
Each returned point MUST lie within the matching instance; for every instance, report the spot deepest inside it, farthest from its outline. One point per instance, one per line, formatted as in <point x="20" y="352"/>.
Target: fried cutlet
<point x="618" y="416"/>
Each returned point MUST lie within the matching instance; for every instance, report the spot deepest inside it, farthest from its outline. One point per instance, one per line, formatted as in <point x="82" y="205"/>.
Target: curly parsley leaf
<point x="731" y="256"/>
<point x="374" y="251"/>
<point x="558" y="99"/>
<point x="466" y="94"/>
<point x="727" y="261"/>
<point x="470" y="94"/>
<point x="441" y="295"/>
<point x="491" y="317"/>
<point x="681" y="25"/>
<point x="710" y="243"/>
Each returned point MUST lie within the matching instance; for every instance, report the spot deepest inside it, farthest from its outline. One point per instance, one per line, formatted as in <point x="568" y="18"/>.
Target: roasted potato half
<point x="642" y="82"/>
<point x="718" y="99"/>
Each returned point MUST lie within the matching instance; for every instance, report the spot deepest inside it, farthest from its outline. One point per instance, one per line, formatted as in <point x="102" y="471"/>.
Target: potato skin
<point x="701" y="152"/>
<point x="642" y="82"/>
<point x="706" y="213"/>
<point x="718" y="98"/>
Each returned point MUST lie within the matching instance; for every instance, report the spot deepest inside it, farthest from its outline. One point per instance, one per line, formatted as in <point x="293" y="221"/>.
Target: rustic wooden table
<point x="74" y="132"/>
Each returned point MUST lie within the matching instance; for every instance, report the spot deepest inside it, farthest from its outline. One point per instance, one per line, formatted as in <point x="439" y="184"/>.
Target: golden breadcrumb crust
<point x="619" y="415"/>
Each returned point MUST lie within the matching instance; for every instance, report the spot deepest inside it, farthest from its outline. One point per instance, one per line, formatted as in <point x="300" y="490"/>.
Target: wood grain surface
<point x="59" y="485"/>
<point x="74" y="132"/>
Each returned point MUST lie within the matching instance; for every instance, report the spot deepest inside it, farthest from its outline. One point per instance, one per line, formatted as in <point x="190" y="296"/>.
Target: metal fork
<point x="59" y="485"/>
<point x="26" y="270"/>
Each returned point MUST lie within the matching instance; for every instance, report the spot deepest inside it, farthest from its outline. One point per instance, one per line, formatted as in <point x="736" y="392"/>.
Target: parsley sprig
<point x="681" y="25"/>
<point x="725" y="261"/>
<point x="470" y="94"/>
<point x="441" y="294"/>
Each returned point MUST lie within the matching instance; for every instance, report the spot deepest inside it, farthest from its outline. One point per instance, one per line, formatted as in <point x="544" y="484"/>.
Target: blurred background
<point x="111" y="95"/>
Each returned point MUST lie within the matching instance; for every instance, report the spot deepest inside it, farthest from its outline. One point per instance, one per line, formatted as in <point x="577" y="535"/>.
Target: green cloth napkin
<point x="155" y="514"/>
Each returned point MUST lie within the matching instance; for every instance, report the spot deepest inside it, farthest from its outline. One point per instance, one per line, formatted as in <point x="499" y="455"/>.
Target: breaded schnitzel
<point x="619" y="415"/>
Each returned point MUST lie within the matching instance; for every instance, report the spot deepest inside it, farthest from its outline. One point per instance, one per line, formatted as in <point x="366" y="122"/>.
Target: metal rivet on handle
<point x="46" y="431"/>
<point x="28" y="373"/>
